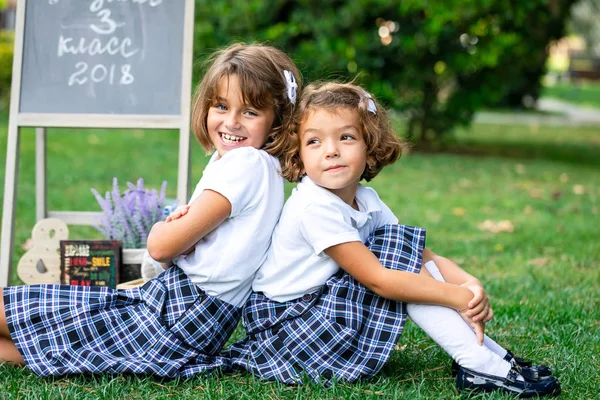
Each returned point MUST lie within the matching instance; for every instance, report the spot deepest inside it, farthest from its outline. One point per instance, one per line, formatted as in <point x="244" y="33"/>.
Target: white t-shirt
<point x="224" y="261"/>
<point x="314" y="219"/>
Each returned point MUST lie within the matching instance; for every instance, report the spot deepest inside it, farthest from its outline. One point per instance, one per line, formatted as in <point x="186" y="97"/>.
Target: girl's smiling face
<point x="333" y="151"/>
<point x="231" y="123"/>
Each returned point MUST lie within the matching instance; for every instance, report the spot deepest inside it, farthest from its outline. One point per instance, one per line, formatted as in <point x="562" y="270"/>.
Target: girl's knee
<point x="9" y="353"/>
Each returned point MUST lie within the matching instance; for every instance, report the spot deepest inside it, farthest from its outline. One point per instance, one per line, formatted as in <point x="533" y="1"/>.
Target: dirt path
<point x="560" y="113"/>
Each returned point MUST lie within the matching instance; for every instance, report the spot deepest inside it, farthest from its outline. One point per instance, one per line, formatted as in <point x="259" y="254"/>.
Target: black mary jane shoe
<point x="467" y="379"/>
<point x="511" y="358"/>
<point x="538" y="371"/>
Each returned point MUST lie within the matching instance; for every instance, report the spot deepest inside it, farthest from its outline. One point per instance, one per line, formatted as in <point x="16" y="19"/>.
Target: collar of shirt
<point x="367" y="204"/>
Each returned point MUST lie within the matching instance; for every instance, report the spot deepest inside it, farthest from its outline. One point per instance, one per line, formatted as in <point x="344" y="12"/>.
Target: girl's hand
<point x="479" y="309"/>
<point x="478" y="327"/>
<point x="178" y="213"/>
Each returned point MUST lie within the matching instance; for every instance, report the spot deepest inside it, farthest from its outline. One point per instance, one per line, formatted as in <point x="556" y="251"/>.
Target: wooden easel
<point x="42" y="121"/>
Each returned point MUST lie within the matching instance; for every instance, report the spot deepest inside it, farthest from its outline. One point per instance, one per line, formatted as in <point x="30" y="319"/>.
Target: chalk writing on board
<point x="103" y="56"/>
<point x="107" y="42"/>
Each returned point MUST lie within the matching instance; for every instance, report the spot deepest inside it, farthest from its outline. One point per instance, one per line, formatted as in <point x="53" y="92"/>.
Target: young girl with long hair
<point x="176" y="324"/>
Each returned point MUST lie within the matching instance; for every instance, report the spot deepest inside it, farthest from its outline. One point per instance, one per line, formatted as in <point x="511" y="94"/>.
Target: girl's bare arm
<point x="480" y="308"/>
<point x="356" y="259"/>
<point x="169" y="240"/>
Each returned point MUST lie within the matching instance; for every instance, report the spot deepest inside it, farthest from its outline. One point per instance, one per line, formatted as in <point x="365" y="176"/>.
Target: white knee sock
<point x="487" y="341"/>
<point x="447" y="328"/>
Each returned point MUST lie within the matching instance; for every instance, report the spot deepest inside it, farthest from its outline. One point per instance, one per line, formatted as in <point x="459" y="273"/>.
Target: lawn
<point x="542" y="272"/>
<point x="582" y="93"/>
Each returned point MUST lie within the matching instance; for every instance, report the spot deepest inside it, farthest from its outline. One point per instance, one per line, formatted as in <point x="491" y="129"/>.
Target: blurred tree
<point x="438" y="62"/>
<point x="585" y="22"/>
<point x="6" y="60"/>
<point x="543" y="22"/>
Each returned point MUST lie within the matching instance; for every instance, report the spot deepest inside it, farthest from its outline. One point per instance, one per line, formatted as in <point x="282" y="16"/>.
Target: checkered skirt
<point x="168" y="327"/>
<point x="343" y="332"/>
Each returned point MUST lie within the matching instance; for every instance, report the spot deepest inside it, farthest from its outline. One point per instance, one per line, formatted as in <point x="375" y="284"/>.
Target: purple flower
<point x="128" y="217"/>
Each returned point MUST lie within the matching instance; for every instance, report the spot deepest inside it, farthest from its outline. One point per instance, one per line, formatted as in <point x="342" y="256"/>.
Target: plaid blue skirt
<point x="168" y="327"/>
<point x="343" y="332"/>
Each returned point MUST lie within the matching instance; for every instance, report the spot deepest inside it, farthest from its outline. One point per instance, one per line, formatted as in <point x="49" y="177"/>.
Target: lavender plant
<point x="128" y="217"/>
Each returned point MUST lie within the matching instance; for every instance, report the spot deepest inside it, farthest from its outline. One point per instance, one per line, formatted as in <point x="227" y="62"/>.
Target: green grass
<point x="543" y="278"/>
<point x="578" y="146"/>
<point x="582" y="93"/>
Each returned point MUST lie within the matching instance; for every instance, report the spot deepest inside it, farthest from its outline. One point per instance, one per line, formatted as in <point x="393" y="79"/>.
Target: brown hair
<point x="259" y="69"/>
<point x="383" y="145"/>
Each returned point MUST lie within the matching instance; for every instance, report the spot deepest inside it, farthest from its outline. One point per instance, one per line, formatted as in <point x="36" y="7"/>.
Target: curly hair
<point x="259" y="69"/>
<point x="384" y="147"/>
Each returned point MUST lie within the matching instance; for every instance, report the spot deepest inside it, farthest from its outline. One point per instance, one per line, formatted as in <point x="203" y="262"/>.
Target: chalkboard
<point x="90" y="262"/>
<point x="102" y="57"/>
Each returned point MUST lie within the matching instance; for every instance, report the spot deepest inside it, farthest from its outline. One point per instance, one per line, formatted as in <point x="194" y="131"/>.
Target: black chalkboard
<point x="102" y="57"/>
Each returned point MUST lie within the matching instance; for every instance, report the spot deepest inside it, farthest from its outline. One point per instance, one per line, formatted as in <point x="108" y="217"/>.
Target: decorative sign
<point x="41" y="263"/>
<point x="103" y="56"/>
<point x="90" y="262"/>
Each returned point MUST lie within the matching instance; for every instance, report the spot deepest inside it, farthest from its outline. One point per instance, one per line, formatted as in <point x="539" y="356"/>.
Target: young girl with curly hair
<point x="331" y="299"/>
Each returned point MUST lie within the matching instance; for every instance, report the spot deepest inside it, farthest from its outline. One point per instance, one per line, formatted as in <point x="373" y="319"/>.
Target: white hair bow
<point x="291" y="85"/>
<point x="370" y="102"/>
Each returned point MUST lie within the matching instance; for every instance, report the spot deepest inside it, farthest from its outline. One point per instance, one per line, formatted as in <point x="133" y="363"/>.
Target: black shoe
<point x="476" y="381"/>
<point x="511" y="358"/>
<point x="535" y="370"/>
<point x="538" y="370"/>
